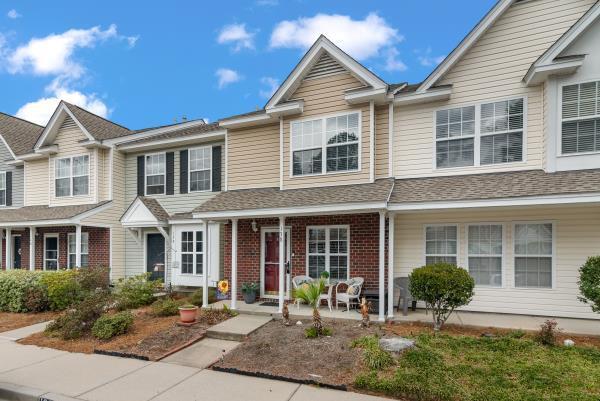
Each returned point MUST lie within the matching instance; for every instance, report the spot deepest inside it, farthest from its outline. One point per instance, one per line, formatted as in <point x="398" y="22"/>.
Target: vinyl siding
<point x="17" y="175"/>
<point x="382" y="141"/>
<point x="576" y="238"/>
<point x="37" y="186"/>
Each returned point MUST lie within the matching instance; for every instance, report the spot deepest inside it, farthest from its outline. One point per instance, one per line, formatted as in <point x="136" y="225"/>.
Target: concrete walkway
<point x="237" y="328"/>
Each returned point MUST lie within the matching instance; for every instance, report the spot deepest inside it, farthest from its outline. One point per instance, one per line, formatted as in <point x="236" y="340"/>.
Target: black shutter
<point x="216" y="168"/>
<point x="183" y="171"/>
<point x="170" y="173"/>
<point x="9" y="188"/>
<point x="140" y="176"/>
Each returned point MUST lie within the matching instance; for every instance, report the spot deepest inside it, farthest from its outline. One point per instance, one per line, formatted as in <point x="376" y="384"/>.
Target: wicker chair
<point x="351" y="295"/>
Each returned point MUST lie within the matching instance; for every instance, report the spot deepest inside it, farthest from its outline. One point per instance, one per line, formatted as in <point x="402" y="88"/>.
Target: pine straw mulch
<point x="11" y="321"/>
<point x="150" y="337"/>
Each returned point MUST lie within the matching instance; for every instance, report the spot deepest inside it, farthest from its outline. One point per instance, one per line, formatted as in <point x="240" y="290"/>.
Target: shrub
<point x="311" y="294"/>
<point x="16" y="288"/>
<point x="373" y="356"/>
<point x="93" y="278"/>
<point x="547" y="334"/>
<point x="589" y="283"/>
<point x="136" y="291"/>
<point x="311" y="332"/>
<point x="63" y="287"/>
<point x="196" y="297"/>
<point x="109" y="326"/>
<point x="444" y="287"/>
<point x="250" y="287"/>
<point x="36" y="299"/>
<point x="166" y="307"/>
<point x="79" y="320"/>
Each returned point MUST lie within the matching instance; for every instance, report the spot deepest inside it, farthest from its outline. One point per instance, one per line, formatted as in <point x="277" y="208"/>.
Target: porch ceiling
<point x="46" y="215"/>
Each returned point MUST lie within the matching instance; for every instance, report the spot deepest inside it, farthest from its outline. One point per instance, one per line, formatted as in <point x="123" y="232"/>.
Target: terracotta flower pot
<point x="187" y="314"/>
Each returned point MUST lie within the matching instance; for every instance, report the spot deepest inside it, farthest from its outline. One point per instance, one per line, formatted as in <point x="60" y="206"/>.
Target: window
<point x="485" y="254"/>
<point x="84" y="250"/>
<point x="336" y="137"/>
<point x="533" y="255"/>
<point x="71" y="176"/>
<point x="2" y="188"/>
<point x="581" y="118"/>
<point x="51" y="252"/>
<point x="155" y="174"/>
<point x="440" y="244"/>
<point x="502" y="132"/>
<point x="328" y="251"/>
<point x="200" y="169"/>
<point x="192" y="251"/>
<point x="455" y="137"/>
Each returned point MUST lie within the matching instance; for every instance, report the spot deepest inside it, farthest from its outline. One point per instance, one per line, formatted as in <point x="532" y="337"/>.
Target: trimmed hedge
<point x="111" y="325"/>
<point x="15" y="287"/>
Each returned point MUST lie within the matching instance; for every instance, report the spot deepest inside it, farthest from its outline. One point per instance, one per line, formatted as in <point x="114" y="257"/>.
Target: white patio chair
<point x="352" y="293"/>
<point x="297" y="281"/>
<point x="327" y="297"/>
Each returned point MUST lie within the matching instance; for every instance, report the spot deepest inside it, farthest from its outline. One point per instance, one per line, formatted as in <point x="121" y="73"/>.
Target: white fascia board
<point x="343" y="208"/>
<point x="47" y="150"/>
<point x="294" y="107"/>
<point x="431" y="95"/>
<point x="31" y="156"/>
<point x="52" y="126"/>
<point x="256" y="119"/>
<point x="39" y="223"/>
<point x="152" y="132"/>
<point x="504" y="202"/>
<point x="197" y="138"/>
<point x="378" y="95"/>
<point x="538" y="74"/>
<point x="93" y="144"/>
<point x="17" y="162"/>
<point x="8" y="147"/>
<point x="145" y="224"/>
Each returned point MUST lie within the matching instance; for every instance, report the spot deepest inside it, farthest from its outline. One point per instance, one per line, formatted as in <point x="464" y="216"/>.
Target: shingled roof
<point x="177" y="133"/>
<point x="20" y="135"/>
<point x="98" y="127"/>
<point x="45" y="212"/>
<point x="155" y="208"/>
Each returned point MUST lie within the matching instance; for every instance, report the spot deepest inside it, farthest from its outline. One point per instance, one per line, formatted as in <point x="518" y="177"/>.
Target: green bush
<point x="136" y="291"/>
<point x="196" y="297"/>
<point x="109" y="326"/>
<point x="374" y="357"/>
<point x="36" y="299"/>
<point x="18" y="288"/>
<point x="312" y="332"/>
<point x="444" y="287"/>
<point x="93" y="278"/>
<point x="63" y="288"/>
<point x="589" y="282"/>
<point x="547" y="333"/>
<point x="79" y="320"/>
<point x="166" y="307"/>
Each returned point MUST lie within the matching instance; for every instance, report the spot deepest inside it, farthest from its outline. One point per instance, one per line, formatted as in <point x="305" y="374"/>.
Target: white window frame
<point x="52" y="235"/>
<point x="561" y="119"/>
<point x="72" y="176"/>
<point x="72" y="252"/>
<point x="478" y="135"/>
<point x="324" y="146"/>
<point x="502" y="256"/>
<point x="553" y="256"/>
<point x="190" y="169"/>
<point x="164" y="192"/>
<point x="425" y="254"/>
<point x="195" y="254"/>
<point x="327" y="253"/>
<point x="3" y="173"/>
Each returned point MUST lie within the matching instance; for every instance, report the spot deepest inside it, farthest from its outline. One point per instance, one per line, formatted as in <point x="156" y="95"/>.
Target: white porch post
<point x="390" y="313"/>
<point x="382" y="266"/>
<point x="32" y="248"/>
<point x="281" y="262"/>
<point x="78" y="246"/>
<point x="205" y="266"/>
<point x="234" y="240"/>
<point x="9" y="264"/>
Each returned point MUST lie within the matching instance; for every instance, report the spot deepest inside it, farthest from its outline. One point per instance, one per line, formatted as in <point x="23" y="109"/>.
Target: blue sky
<point x="144" y="63"/>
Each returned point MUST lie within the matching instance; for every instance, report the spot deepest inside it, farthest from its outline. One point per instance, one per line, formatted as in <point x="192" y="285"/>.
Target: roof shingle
<point x="100" y="128"/>
<point x="45" y="212"/>
<point x="20" y="135"/>
<point x="155" y="208"/>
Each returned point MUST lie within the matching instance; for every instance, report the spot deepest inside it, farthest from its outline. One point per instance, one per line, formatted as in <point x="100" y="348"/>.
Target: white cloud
<point x="227" y="76"/>
<point x="427" y="60"/>
<point x="392" y="62"/>
<point x="271" y="86"/>
<point x="13" y="14"/>
<point x="237" y="35"/>
<point x="362" y="39"/>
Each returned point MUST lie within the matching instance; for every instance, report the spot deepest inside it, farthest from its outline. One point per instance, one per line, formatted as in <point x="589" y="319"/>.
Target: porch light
<point x="254" y="226"/>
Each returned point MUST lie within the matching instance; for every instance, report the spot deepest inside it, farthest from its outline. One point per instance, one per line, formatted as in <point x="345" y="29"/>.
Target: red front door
<point x="271" y="260"/>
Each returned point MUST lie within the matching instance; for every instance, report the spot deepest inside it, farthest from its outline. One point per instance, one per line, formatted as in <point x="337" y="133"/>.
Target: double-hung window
<point x="533" y="255"/>
<point x="336" y="137"/>
<point x="581" y="118"/>
<point x="192" y="251"/>
<point x="200" y="168"/>
<point x="441" y="244"/>
<point x="455" y="137"/>
<point x="2" y="188"/>
<point x="485" y="254"/>
<point x="84" y="249"/>
<point x="328" y="250"/>
<point x="502" y="132"/>
<point x="72" y="176"/>
<point x="155" y="174"/>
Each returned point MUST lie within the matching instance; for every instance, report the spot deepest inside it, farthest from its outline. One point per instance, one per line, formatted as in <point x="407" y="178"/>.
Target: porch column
<point x="205" y="266"/>
<point x="234" y="240"/>
<point x="281" y="262"/>
<point x="78" y="246"/>
<point x="382" y="266"/>
<point x="8" y="252"/>
<point x="32" y="248"/>
<point x="390" y="313"/>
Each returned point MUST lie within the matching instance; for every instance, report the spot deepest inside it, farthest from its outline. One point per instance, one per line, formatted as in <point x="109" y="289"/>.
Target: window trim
<point x="146" y="155"/>
<point x="503" y="269"/>
<point x="559" y="96"/>
<point x="553" y="255"/>
<point x="477" y="137"/>
<point x="322" y="118"/>
<point x="194" y="254"/>
<point x="5" y="188"/>
<point x="52" y="235"/>
<point x="69" y="253"/>
<point x="458" y="251"/>
<point x="72" y="176"/>
<point x="189" y="169"/>
<point x="327" y="247"/>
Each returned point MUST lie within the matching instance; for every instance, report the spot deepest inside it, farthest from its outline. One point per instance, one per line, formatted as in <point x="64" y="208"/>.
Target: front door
<point x="17" y="252"/>
<point x="270" y="261"/>
<point x="155" y="256"/>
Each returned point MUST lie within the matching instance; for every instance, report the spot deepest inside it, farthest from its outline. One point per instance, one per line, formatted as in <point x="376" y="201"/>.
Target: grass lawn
<point x="504" y="368"/>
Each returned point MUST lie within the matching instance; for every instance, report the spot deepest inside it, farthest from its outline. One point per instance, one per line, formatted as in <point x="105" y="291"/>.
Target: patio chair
<point x="402" y="284"/>
<point x="352" y="293"/>
<point x="327" y="297"/>
<point x="297" y="281"/>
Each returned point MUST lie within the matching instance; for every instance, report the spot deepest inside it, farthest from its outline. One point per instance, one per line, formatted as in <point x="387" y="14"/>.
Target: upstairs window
<point x="342" y="142"/>
<point x="155" y="174"/>
<point x="581" y="118"/>
<point x="72" y="176"/>
<point x="307" y="147"/>
<point x="200" y="169"/>
<point x="2" y="188"/>
<point x="502" y="132"/>
<point x="455" y="137"/>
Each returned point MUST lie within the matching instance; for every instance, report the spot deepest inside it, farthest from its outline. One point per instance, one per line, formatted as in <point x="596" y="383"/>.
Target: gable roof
<point x="19" y="135"/>
<point x="144" y="212"/>
<point x="179" y="133"/>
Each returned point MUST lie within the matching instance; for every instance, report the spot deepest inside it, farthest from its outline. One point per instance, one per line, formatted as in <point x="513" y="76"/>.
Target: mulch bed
<point x="12" y="321"/>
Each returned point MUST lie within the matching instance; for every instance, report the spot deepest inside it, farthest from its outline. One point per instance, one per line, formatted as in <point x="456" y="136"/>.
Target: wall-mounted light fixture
<point x="254" y="226"/>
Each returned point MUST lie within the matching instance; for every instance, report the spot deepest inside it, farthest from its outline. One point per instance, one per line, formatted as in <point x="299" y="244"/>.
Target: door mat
<point x="269" y="303"/>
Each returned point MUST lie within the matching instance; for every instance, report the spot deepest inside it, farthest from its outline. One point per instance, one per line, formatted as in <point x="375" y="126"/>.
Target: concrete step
<point x="237" y="328"/>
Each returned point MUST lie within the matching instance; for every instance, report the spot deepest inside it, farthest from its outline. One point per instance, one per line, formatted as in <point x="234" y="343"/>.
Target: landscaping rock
<point x="396" y="344"/>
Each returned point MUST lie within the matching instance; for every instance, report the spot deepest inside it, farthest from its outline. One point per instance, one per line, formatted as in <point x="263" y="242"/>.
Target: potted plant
<point x="249" y="291"/>
<point x="188" y="313"/>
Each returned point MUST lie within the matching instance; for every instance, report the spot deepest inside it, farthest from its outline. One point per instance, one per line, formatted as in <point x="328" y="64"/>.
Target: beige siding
<point x="36" y="182"/>
<point x="576" y="238"/>
<point x="382" y="141"/>
<point x="253" y="155"/>
<point x="492" y="69"/>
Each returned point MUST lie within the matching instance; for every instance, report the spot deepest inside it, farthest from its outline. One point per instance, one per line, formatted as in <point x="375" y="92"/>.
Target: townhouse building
<point x="491" y="163"/>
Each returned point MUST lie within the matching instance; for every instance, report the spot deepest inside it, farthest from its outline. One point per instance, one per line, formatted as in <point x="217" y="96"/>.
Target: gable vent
<point x="325" y="67"/>
<point x="68" y="123"/>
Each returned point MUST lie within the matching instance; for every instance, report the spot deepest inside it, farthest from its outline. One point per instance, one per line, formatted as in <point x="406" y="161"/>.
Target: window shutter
<point x="9" y="188"/>
<point x="183" y="171"/>
<point x="216" y="168"/>
<point x="170" y="173"/>
<point x="140" y="176"/>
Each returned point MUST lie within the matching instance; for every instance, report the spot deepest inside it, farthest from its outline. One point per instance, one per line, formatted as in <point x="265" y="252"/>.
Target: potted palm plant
<point x="188" y="313"/>
<point x="310" y="293"/>
<point x="249" y="291"/>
